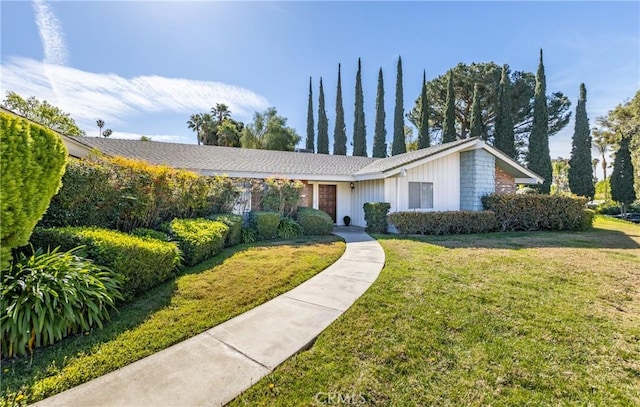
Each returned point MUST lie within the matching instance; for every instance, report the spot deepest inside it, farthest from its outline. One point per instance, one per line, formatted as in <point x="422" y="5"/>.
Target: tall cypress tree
<point x="580" y="177"/>
<point x="310" y="135"/>
<point x="622" y="176"/>
<point x="424" y="139"/>
<point x="399" y="144"/>
<point x="359" y="129"/>
<point x="340" y="129"/>
<point x="476" y="116"/>
<point x="449" y="124"/>
<point x="504" y="137"/>
<point x="323" y="124"/>
<point x="539" y="159"/>
<point x="380" y="133"/>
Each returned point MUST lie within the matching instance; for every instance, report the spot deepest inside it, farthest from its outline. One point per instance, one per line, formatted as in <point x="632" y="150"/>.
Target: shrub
<point x="32" y="160"/>
<point x="375" y="214"/>
<point x="289" y="229"/>
<point x="265" y="224"/>
<point x="444" y="223"/>
<point x="199" y="239"/>
<point x="47" y="296"/>
<point x="314" y="221"/>
<point x="611" y="208"/>
<point x="234" y="222"/>
<point x="150" y="233"/>
<point x="538" y="211"/>
<point x="249" y="235"/>
<point x="280" y="195"/>
<point x="142" y="263"/>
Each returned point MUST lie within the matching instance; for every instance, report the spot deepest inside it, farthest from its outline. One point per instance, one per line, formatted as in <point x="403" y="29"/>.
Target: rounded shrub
<point x="265" y="224"/>
<point x="314" y="221"/>
<point x="199" y="239"/>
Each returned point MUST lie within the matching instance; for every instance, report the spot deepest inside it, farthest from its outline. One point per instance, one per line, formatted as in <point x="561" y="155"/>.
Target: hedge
<point x="142" y="262"/>
<point x="444" y="223"/>
<point x="234" y="222"/>
<point x="265" y="224"/>
<point x="314" y="221"/>
<point x="536" y="211"/>
<point x="199" y="239"/>
<point x="32" y="160"/>
<point x="375" y="214"/>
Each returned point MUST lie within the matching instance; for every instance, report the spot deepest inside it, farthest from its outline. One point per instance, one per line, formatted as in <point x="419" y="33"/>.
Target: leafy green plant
<point x="234" y="222"/>
<point x="289" y="229"/>
<point x="375" y="214"/>
<point x="199" y="239"/>
<point x="249" y="235"/>
<point x="49" y="295"/>
<point x="150" y="233"/>
<point x="314" y="221"/>
<point x="265" y="224"/>
<point x="280" y="195"/>
<point x="444" y="223"/>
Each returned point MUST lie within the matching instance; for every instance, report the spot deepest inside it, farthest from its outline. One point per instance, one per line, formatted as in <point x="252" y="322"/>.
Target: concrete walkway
<point x="214" y="367"/>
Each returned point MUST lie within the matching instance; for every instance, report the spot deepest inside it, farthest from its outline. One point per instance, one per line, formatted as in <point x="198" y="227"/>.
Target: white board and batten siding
<point x="364" y="191"/>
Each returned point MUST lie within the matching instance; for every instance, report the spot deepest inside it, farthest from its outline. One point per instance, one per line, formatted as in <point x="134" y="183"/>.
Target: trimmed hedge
<point x="375" y="214"/>
<point x="32" y="160"/>
<point x="142" y="262"/>
<point x="150" y="233"/>
<point x="314" y="221"/>
<point x="265" y="224"/>
<point x="199" y="239"/>
<point x="537" y="211"/>
<point x="444" y="223"/>
<point x="234" y="222"/>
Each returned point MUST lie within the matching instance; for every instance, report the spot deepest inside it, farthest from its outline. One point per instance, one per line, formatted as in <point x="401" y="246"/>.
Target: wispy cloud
<point x="51" y="34"/>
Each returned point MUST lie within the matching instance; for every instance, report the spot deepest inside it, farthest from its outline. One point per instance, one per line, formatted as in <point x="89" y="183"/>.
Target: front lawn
<point x="539" y="318"/>
<point x="231" y="283"/>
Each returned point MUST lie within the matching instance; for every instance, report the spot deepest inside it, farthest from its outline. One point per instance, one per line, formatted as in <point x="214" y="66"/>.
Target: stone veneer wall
<point x="505" y="183"/>
<point x="477" y="178"/>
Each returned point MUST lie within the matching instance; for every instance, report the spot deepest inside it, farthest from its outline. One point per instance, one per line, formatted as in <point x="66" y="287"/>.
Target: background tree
<point x="411" y="142"/>
<point x="380" y="133"/>
<point x="594" y="167"/>
<point x="476" y="116"/>
<point x="100" y="124"/>
<point x="43" y="113"/>
<point x="622" y="190"/>
<point x="340" y="130"/>
<point x="504" y="137"/>
<point x="195" y="123"/>
<point x="216" y="127"/>
<point x="323" y="124"/>
<point x="310" y="144"/>
<point x="560" y="174"/>
<point x="359" y="128"/>
<point x="269" y="131"/>
<point x="580" y="174"/>
<point x="107" y="132"/>
<point x="449" y="122"/>
<point x="399" y="146"/>
<point x="228" y="134"/>
<point x="424" y="138"/>
<point x="145" y="138"/>
<point x="539" y="160"/>
<point x="602" y="140"/>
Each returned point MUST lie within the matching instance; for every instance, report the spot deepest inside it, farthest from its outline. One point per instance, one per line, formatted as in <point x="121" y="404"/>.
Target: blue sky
<point x="144" y="67"/>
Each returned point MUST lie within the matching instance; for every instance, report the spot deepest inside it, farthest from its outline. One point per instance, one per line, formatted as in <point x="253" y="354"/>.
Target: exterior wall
<point x="505" y="183"/>
<point x="363" y="191"/>
<point x="343" y="199"/>
<point x="477" y="178"/>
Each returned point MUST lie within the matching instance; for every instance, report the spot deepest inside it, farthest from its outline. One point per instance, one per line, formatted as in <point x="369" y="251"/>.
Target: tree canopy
<point x="217" y="127"/>
<point x="42" y="112"/>
<point x="379" y="132"/>
<point x="580" y="164"/>
<point x="269" y="131"/>
<point x="340" y="130"/>
<point x="359" y="127"/>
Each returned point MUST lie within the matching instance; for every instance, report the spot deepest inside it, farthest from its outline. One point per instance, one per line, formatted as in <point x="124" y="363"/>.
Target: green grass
<point x="500" y="319"/>
<point x="203" y="296"/>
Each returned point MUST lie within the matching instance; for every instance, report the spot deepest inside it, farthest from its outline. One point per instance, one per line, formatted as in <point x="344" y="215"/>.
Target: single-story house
<point x="451" y="176"/>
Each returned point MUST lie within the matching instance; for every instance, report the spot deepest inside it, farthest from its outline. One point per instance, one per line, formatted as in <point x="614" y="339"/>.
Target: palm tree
<point x="209" y="130"/>
<point x="221" y="111"/>
<point x="195" y="124"/>
<point x="594" y="164"/>
<point x="602" y="141"/>
<point x="100" y="124"/>
<point x="106" y="133"/>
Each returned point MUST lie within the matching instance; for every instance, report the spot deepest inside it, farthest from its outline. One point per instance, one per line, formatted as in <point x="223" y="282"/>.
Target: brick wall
<point x="505" y="183"/>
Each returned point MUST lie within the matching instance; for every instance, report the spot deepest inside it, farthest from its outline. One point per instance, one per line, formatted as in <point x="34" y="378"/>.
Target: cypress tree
<point x="323" y="124"/>
<point x="380" y="133"/>
<point x="449" y="124"/>
<point x="399" y="144"/>
<point x="580" y="177"/>
<point x="504" y="137"/>
<point x="310" y="135"/>
<point x="359" y="129"/>
<point x="424" y="139"/>
<point x="539" y="159"/>
<point x="340" y="130"/>
<point x="622" y="176"/>
<point x="476" y="116"/>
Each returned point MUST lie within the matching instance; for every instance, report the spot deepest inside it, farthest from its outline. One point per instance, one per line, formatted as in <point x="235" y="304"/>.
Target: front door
<point x="327" y="200"/>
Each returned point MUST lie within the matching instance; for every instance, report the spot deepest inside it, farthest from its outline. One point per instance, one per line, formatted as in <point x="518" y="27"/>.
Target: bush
<point x="47" y="296"/>
<point x="289" y="229"/>
<point x="142" y="262"/>
<point x="265" y="224"/>
<point x="249" y="235"/>
<point x="199" y="239"/>
<point x="234" y="222"/>
<point x="151" y="234"/>
<point x="444" y="223"/>
<point x="314" y="221"/>
<point x="537" y="211"/>
<point x="32" y="160"/>
<point x="375" y="214"/>
<point x="611" y="208"/>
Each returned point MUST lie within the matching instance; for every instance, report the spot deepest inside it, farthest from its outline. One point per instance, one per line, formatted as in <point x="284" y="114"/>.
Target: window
<point x="420" y="195"/>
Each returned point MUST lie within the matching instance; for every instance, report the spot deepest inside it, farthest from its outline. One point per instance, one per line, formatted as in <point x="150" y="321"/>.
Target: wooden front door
<point x="327" y="200"/>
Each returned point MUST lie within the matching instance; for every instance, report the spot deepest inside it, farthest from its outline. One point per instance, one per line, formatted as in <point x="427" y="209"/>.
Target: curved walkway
<point x="216" y="366"/>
